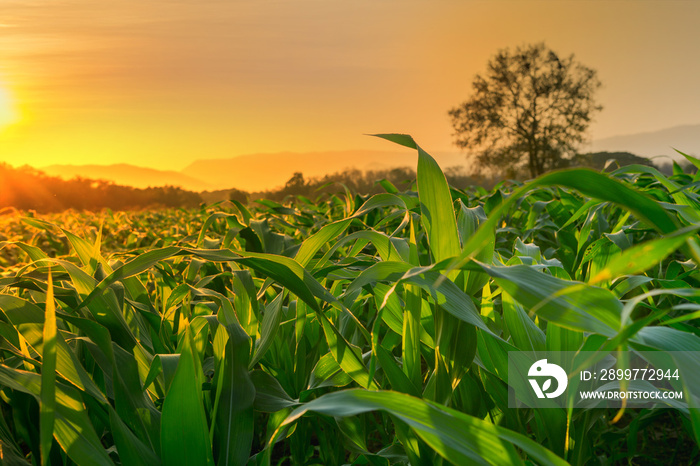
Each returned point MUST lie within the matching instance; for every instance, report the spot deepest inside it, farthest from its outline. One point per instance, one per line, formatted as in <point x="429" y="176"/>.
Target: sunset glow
<point x="163" y="84"/>
<point x="8" y="113"/>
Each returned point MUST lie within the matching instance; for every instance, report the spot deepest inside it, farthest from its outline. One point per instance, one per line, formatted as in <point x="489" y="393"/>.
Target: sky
<point x="163" y="83"/>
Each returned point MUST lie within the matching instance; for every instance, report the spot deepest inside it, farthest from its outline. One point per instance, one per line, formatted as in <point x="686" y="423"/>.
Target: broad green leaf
<point x="527" y="336"/>
<point x="184" y="433"/>
<point x="685" y="347"/>
<point x="131" y="449"/>
<point x="29" y="320"/>
<point x="641" y="257"/>
<point x="457" y="437"/>
<point x="48" y="375"/>
<point x="311" y="245"/>
<point x="234" y="413"/>
<point x="437" y="214"/>
<point x="572" y="305"/>
<point x="72" y="427"/>
<point x="133" y="405"/>
<point x="270" y="325"/>
<point x="327" y="373"/>
<point x="269" y="394"/>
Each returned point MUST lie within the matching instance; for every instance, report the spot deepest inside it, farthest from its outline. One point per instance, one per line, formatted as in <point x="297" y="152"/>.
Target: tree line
<point x="403" y="178"/>
<point x="356" y="181"/>
<point x="25" y="188"/>
<point x="28" y="189"/>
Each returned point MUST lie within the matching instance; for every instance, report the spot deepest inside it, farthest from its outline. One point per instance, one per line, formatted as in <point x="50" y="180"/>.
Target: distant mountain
<point x="263" y="171"/>
<point x="129" y="175"/>
<point x="256" y="172"/>
<point x="684" y="138"/>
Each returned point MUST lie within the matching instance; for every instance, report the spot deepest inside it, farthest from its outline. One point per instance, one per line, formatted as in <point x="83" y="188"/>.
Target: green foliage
<point x="357" y="329"/>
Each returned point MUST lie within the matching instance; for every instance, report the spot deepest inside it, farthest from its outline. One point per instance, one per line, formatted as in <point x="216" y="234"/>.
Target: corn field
<point x="350" y="329"/>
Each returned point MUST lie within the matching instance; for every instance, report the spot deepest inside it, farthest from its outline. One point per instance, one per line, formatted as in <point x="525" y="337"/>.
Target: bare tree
<point x="531" y="108"/>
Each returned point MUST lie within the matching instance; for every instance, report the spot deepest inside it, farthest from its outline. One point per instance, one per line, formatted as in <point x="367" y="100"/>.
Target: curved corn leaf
<point x="457" y="437"/>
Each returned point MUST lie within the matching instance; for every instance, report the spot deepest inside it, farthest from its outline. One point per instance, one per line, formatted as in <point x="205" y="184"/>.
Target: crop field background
<point x="350" y="329"/>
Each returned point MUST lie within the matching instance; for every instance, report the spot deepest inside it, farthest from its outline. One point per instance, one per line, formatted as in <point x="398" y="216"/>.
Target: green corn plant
<point x="347" y="329"/>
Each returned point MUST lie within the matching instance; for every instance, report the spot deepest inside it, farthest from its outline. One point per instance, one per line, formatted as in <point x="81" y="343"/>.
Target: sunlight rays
<point x="8" y="110"/>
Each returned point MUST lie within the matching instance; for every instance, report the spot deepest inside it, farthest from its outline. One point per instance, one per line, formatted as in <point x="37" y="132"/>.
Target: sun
<point x="8" y="113"/>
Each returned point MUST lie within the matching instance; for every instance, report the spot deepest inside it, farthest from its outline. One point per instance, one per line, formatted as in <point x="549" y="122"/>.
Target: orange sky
<point x="162" y="83"/>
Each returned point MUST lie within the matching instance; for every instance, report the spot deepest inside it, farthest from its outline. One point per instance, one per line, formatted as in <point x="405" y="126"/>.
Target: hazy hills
<point x="256" y="172"/>
<point x="251" y="172"/>
<point x="684" y="138"/>
<point x="128" y="175"/>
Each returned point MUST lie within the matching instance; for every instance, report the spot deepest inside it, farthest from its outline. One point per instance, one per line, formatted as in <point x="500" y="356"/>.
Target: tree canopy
<point x="530" y="109"/>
